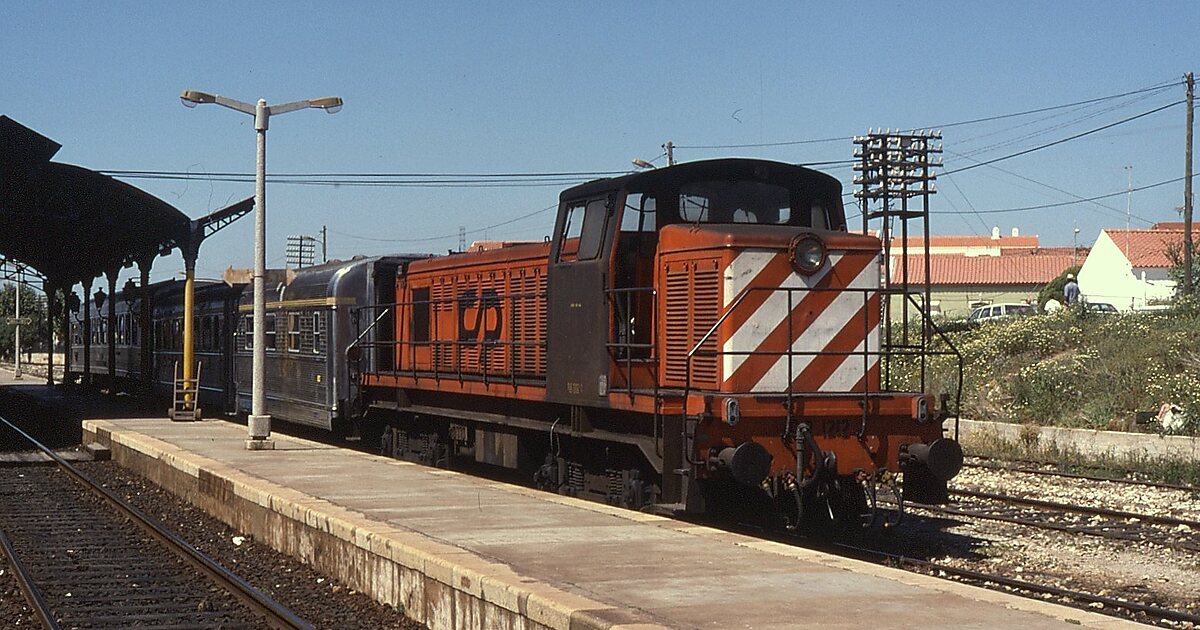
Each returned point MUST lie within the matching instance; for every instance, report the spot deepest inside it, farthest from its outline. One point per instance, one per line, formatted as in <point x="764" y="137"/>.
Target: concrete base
<point x="1088" y="441"/>
<point x="260" y="427"/>
<point x="260" y="445"/>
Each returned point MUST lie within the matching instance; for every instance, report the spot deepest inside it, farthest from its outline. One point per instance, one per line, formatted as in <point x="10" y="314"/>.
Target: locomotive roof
<point x="702" y="169"/>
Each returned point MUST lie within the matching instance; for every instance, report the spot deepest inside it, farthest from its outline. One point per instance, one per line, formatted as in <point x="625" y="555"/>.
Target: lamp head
<point x="642" y="163"/>
<point x="331" y="104"/>
<point x="192" y="98"/>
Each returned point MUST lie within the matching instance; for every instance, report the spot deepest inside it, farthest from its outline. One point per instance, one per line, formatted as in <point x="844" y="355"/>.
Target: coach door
<point x="577" y="355"/>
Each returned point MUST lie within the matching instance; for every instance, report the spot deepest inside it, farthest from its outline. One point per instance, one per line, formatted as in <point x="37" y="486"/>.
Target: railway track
<point x="1081" y="476"/>
<point x="1114" y="606"/>
<point x="84" y="558"/>
<point x="1081" y="599"/>
<point x="1166" y="531"/>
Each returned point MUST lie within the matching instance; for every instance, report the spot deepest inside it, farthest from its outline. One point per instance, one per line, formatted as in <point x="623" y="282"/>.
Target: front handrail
<point x="884" y="351"/>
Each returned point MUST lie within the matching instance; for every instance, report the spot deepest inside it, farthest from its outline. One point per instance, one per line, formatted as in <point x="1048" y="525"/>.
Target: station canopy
<point x="72" y="224"/>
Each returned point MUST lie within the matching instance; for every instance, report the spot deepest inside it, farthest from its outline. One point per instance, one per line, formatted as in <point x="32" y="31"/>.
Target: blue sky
<point x="548" y="87"/>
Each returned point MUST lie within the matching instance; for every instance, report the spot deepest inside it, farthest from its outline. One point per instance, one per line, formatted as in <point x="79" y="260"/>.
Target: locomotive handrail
<point x="628" y="346"/>
<point x="884" y="350"/>
<point x="447" y="355"/>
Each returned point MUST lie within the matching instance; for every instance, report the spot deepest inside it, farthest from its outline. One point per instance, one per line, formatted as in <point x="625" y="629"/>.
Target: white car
<point x="994" y="311"/>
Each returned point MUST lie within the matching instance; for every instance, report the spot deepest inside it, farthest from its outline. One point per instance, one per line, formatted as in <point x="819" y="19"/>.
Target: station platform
<point x="456" y="551"/>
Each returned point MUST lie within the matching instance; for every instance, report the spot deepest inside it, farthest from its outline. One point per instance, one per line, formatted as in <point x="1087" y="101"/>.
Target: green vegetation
<point x="33" y="306"/>
<point x="1073" y="368"/>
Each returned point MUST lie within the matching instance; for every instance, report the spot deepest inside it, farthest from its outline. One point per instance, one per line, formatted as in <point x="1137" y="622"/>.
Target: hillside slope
<point x="1074" y="369"/>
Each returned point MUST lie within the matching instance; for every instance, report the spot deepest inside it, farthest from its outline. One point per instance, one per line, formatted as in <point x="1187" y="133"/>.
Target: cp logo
<point x="479" y="316"/>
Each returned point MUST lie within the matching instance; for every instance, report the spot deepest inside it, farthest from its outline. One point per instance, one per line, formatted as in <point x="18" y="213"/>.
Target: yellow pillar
<point x="189" y="338"/>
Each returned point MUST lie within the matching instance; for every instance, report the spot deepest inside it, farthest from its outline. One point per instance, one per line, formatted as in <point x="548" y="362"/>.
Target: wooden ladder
<point x="185" y="396"/>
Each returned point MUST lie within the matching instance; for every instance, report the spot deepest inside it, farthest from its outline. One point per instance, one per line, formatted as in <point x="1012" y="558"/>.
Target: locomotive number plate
<point x="836" y="427"/>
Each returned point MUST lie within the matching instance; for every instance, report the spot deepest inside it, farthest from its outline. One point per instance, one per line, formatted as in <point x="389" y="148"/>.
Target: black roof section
<point x="672" y="175"/>
<point x="71" y="223"/>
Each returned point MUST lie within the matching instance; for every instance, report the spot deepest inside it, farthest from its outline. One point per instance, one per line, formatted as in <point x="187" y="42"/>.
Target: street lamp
<point x="260" y="422"/>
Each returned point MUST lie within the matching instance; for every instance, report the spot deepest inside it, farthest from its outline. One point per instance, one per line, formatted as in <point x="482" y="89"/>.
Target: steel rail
<point x="275" y="614"/>
<point x="1056" y="591"/>
<point x="1090" y="529"/>
<point x="33" y="595"/>
<point x="1071" y="475"/>
<point x="1079" y="509"/>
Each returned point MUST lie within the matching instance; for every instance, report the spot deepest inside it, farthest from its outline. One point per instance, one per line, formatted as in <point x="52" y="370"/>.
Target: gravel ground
<point x="314" y="597"/>
<point x="1109" y="494"/>
<point x="1141" y="572"/>
<point x="14" y="612"/>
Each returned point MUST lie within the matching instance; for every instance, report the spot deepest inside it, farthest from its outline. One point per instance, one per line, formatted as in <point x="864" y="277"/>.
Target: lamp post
<point x="259" y="422"/>
<point x="17" y="333"/>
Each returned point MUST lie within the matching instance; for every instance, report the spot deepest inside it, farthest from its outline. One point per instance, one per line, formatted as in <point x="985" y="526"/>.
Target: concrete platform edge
<point x="439" y="584"/>
<point x="435" y="583"/>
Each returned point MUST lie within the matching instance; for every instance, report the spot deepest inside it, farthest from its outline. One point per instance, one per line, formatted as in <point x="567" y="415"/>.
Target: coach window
<point x="248" y="334"/>
<point x="269" y="331"/>
<point x="205" y="333"/>
<point x="316" y="327"/>
<point x="586" y="223"/>
<point x="293" y="332"/>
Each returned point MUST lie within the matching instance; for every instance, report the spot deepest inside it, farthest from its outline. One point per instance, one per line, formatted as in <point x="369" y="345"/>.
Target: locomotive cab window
<point x="736" y="201"/>
<point x="639" y="215"/>
<point x="583" y="231"/>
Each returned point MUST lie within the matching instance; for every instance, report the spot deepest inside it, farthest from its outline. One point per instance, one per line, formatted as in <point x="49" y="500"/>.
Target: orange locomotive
<point x="703" y="336"/>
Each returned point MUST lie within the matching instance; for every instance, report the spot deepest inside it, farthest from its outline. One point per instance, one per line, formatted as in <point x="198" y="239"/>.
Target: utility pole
<point x="1128" y="210"/>
<point x="670" y="147"/>
<point x="1187" y="190"/>
<point x="324" y="243"/>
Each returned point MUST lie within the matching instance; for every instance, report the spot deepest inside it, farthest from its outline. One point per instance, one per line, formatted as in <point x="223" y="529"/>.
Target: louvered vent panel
<point x="529" y="322"/>
<point x="442" y="296"/>
<point x="692" y="305"/>
<point x="706" y="301"/>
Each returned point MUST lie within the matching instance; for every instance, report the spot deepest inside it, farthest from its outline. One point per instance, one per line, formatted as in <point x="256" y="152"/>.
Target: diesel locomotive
<point x="705" y="337"/>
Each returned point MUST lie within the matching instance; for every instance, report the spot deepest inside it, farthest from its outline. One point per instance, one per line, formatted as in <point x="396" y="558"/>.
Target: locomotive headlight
<point x="807" y="254"/>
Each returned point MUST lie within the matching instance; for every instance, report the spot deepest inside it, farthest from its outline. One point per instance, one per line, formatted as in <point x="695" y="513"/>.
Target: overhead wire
<point x="426" y="239"/>
<point x="1063" y="140"/>
<point x="1153" y="88"/>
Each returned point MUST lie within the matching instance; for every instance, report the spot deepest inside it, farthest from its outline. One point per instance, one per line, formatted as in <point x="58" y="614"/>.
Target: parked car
<point x="1101" y="307"/>
<point x="995" y="311"/>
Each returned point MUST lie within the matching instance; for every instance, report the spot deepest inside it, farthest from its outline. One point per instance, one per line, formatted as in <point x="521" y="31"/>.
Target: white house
<point x="1129" y="268"/>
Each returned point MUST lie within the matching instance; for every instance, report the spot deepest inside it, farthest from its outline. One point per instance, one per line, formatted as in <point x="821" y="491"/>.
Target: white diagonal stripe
<point x="851" y="370"/>
<point x="770" y="314"/>
<point x="839" y="314"/>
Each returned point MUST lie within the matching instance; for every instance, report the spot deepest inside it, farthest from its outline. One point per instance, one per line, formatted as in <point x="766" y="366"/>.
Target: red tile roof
<point x="1146" y="248"/>
<point x="972" y="241"/>
<point x="1015" y="269"/>
<point x="1082" y="252"/>
<point x="1167" y="225"/>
